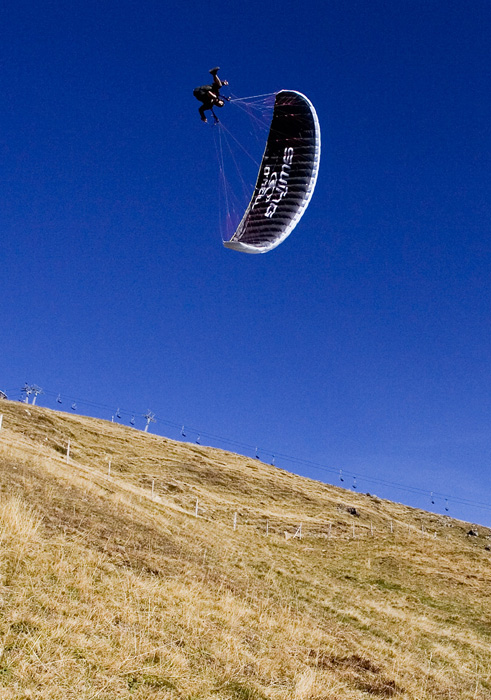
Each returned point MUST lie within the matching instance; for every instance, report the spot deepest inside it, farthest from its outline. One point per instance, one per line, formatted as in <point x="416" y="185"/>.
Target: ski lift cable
<point x="323" y="468"/>
<point x="295" y="460"/>
<point x="307" y="463"/>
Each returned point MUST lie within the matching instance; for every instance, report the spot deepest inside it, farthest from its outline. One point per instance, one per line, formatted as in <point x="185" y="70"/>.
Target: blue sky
<point x="363" y="342"/>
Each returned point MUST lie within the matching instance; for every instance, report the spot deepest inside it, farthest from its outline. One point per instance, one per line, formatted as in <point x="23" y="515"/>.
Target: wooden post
<point x="68" y="452"/>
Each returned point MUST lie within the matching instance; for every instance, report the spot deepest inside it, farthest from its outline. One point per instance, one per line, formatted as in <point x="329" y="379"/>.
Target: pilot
<point x="210" y="96"/>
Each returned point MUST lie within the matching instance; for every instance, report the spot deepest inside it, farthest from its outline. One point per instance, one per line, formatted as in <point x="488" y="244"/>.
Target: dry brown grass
<point x="107" y="593"/>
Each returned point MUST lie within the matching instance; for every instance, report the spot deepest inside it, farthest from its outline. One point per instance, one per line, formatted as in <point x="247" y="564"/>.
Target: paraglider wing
<point x="286" y="179"/>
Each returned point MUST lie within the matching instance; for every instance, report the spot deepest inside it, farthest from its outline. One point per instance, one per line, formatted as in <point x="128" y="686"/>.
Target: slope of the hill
<point x="141" y="567"/>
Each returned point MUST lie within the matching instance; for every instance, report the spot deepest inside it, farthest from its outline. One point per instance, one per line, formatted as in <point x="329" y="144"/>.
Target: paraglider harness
<point x="202" y="93"/>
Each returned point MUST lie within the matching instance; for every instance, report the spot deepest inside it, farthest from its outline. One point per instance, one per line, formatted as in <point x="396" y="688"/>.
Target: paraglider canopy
<point x="286" y="179"/>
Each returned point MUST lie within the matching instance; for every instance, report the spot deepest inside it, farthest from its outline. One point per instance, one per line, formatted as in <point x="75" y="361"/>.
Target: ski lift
<point x="341" y="478"/>
<point x="118" y="414"/>
<point x="256" y="456"/>
<point x="272" y="462"/>
<point x="74" y="406"/>
<point x="354" y="483"/>
<point x="446" y="504"/>
<point x="432" y="499"/>
<point x="132" y="421"/>
<point x="198" y="440"/>
<point x="58" y="399"/>
<point x="182" y="432"/>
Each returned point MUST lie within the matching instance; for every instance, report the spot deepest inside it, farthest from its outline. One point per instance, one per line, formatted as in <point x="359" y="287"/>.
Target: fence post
<point x="68" y="452"/>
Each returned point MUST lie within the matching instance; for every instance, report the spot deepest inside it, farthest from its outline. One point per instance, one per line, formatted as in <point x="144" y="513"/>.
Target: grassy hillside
<point x="111" y="587"/>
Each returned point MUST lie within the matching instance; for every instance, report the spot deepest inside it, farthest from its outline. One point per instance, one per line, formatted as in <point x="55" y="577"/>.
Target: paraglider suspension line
<point x="252" y="97"/>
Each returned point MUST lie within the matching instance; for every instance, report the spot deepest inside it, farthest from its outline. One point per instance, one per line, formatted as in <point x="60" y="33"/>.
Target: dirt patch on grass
<point x="362" y="673"/>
